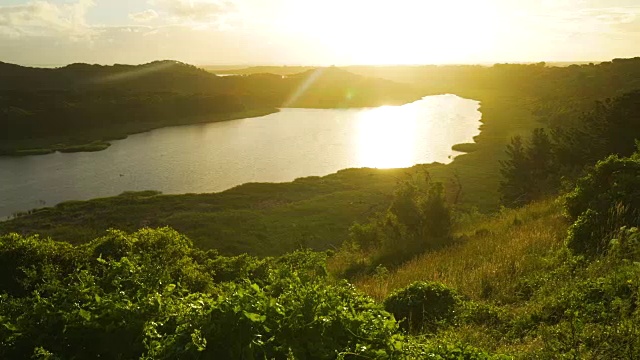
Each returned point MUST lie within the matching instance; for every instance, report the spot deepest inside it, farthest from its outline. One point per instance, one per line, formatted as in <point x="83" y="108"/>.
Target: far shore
<point x="93" y="145"/>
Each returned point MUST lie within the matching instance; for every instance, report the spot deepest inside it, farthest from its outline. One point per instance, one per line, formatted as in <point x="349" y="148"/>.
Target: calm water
<point x="275" y="148"/>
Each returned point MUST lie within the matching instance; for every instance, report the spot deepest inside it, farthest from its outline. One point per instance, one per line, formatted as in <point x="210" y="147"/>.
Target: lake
<point x="217" y="156"/>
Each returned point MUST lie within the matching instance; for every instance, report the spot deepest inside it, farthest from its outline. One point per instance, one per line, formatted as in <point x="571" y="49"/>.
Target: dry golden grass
<point x="496" y="251"/>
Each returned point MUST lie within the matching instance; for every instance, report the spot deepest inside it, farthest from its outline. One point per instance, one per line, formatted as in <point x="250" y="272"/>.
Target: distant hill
<point x="324" y="87"/>
<point x="239" y="70"/>
<point x="333" y="87"/>
<point x="157" y="76"/>
<point x="79" y="107"/>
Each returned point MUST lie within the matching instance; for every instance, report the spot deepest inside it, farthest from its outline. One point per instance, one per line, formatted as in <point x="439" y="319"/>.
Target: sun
<point x="399" y="32"/>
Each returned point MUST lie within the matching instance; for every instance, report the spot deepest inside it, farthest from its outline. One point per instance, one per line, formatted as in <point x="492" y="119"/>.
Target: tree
<point x="529" y="173"/>
<point x="513" y="187"/>
<point x="608" y="127"/>
<point x="543" y="178"/>
<point x="418" y="219"/>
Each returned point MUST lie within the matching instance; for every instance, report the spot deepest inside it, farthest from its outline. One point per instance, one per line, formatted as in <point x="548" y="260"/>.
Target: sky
<point x="317" y="32"/>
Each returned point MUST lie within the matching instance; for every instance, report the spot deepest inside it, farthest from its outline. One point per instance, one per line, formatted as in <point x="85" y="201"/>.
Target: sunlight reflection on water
<point x="387" y="137"/>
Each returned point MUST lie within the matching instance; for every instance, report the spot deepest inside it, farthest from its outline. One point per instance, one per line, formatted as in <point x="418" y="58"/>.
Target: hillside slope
<point x="524" y="292"/>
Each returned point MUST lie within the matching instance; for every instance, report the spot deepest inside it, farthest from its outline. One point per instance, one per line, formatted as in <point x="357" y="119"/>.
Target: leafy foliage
<point x="528" y="173"/>
<point x="536" y="169"/>
<point x="593" y="312"/>
<point x="418" y="219"/>
<point x="422" y="306"/>
<point x="151" y="295"/>
<point x="604" y="200"/>
<point x="609" y="126"/>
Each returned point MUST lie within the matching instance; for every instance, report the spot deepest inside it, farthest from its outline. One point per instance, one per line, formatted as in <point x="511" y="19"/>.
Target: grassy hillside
<point x="508" y="286"/>
<point x="525" y="294"/>
<point x="91" y="127"/>
<point x="495" y="253"/>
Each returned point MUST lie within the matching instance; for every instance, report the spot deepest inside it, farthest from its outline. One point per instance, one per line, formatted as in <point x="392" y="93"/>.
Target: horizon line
<point x="229" y="66"/>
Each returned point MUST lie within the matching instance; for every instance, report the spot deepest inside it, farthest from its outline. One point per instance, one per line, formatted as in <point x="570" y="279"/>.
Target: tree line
<point x="538" y="166"/>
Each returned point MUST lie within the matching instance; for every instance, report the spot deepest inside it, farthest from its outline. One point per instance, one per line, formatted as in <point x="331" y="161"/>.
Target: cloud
<point x="603" y="15"/>
<point x="144" y="16"/>
<point x="585" y="22"/>
<point x="195" y="11"/>
<point x="612" y="16"/>
<point x="44" y="18"/>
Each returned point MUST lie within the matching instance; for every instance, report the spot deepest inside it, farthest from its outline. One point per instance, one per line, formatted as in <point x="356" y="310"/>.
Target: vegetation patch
<point x="465" y="148"/>
<point x="422" y="306"/>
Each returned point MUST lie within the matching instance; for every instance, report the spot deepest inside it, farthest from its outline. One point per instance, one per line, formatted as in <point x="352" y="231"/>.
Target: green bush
<point x="593" y="318"/>
<point x="417" y="220"/>
<point x="423" y="306"/>
<point x="26" y="262"/>
<point x="604" y="200"/>
<point x="585" y="234"/>
<point x="150" y="295"/>
<point x="446" y="349"/>
<point x="286" y="319"/>
<point x="483" y="314"/>
<point x="626" y="244"/>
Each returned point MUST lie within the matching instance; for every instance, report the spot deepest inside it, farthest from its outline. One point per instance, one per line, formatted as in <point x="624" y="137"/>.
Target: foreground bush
<point x="604" y="200"/>
<point x="151" y="295"/>
<point x="422" y="306"/>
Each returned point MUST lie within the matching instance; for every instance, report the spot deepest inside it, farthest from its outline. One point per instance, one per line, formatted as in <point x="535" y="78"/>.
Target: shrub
<point x="423" y="306"/>
<point x="483" y="314"/>
<point x="448" y="350"/>
<point x="626" y="244"/>
<point x="604" y="200"/>
<point x="150" y="295"/>
<point x="417" y="220"/>
<point x="27" y="262"/>
<point x="529" y="173"/>
<point x="584" y="235"/>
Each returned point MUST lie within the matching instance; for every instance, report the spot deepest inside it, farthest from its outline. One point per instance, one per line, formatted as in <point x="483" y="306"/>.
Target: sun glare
<point x="405" y="32"/>
<point x="386" y="139"/>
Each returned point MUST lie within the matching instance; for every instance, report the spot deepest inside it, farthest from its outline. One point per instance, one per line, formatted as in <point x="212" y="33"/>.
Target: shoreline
<point x="103" y="144"/>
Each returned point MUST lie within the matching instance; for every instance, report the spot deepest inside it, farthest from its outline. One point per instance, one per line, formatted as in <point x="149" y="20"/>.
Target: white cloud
<point x="144" y="16"/>
<point x="612" y="16"/>
<point x="44" y="18"/>
<point x="601" y="21"/>
<point x="194" y="11"/>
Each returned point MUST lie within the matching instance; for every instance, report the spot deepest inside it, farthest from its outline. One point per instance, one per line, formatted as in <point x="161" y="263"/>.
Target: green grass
<point x="494" y="251"/>
<point x="259" y="218"/>
<point x="523" y="292"/>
